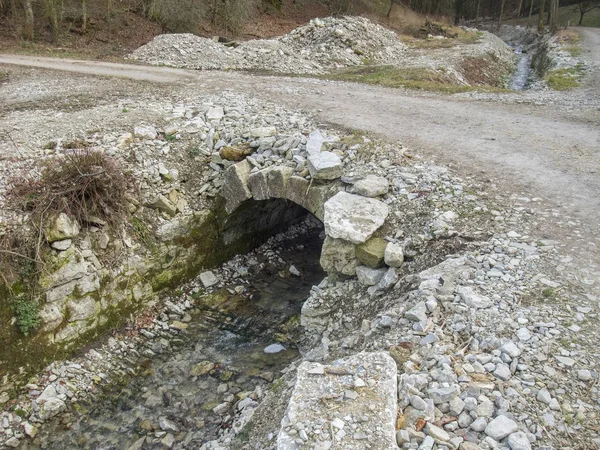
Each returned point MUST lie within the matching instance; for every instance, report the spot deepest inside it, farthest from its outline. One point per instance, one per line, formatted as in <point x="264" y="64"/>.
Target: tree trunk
<point x="84" y="18"/>
<point x="519" y="10"/>
<point x="581" y="14"/>
<point x="28" y="20"/>
<point x="501" y="13"/>
<point x="541" y="18"/>
<point x="478" y="11"/>
<point x="530" y="12"/>
<point x="458" y="4"/>
<point x="553" y="13"/>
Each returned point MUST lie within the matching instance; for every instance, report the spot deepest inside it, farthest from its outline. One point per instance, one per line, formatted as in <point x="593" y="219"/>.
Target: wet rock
<point x="371" y="252"/>
<point x="222" y="408"/>
<point x="353" y="218"/>
<point x="167" y="425"/>
<point x="325" y="166"/>
<point x="370" y="186"/>
<point x="202" y="368"/>
<point x="137" y="445"/>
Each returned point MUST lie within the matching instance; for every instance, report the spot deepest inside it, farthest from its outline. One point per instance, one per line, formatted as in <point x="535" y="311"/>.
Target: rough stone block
<point x="375" y="373"/>
<point x="338" y="256"/>
<point x="371" y="252"/>
<point x="325" y="166"/>
<point x="235" y="187"/>
<point x="353" y="218"/>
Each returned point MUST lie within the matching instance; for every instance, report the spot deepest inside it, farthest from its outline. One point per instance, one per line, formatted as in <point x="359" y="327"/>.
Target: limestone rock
<point x="163" y="204"/>
<point x="235" y="187"/>
<point x="60" y="228"/>
<point x="338" y="256"/>
<point x="263" y="132"/>
<point x="315" y="142"/>
<point x="473" y="299"/>
<point x="378" y="370"/>
<point x="369" y="276"/>
<point x="371" y="252"/>
<point x="81" y="309"/>
<point x="215" y="113"/>
<point x="353" y="218"/>
<point x="145" y="132"/>
<point x="62" y="245"/>
<point x="501" y="427"/>
<point x="370" y="186"/>
<point x="71" y="266"/>
<point x="202" y="368"/>
<point x="388" y="280"/>
<point x="394" y="255"/>
<point x="51" y="408"/>
<point x="518" y="441"/>
<point x="235" y="153"/>
<point x="270" y="183"/>
<point x="325" y="166"/>
<point x="208" y="279"/>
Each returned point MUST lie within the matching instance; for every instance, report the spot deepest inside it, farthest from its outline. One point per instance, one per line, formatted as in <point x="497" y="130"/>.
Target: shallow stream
<point x="521" y="76"/>
<point x="169" y="403"/>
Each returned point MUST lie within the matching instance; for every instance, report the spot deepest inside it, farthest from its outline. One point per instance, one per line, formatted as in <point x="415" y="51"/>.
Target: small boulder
<point x="325" y="166"/>
<point x="371" y="253"/>
<point x="60" y="228"/>
<point x="394" y="255"/>
<point x="370" y="186"/>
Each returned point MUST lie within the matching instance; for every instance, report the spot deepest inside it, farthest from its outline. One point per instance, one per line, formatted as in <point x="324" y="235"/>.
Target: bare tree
<point x="553" y="15"/>
<point x="28" y="20"/>
<point x="585" y="7"/>
<point x="541" y="18"/>
<point x="519" y="9"/>
<point x="530" y="12"/>
<point x="501" y="13"/>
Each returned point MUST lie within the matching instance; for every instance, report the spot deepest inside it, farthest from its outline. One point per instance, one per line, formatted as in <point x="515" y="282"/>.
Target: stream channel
<point x="522" y="74"/>
<point x="168" y="402"/>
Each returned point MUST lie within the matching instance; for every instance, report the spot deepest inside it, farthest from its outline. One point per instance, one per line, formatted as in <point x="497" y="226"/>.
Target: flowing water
<point x="521" y="77"/>
<point x="234" y="341"/>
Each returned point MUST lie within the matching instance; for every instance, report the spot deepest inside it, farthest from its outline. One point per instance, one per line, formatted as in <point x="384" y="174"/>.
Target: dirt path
<point x="538" y="151"/>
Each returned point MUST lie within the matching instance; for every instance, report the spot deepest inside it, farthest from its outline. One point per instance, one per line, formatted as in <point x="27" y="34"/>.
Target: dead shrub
<point x="86" y="185"/>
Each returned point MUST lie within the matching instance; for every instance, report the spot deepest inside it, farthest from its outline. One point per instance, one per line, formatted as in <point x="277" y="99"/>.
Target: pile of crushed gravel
<point x="318" y="47"/>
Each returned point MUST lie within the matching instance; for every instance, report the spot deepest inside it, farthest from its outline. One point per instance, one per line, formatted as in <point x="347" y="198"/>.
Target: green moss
<point x="410" y="78"/>
<point x="564" y="79"/>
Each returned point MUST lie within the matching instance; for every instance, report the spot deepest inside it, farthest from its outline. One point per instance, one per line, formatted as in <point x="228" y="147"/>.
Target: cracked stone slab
<point x="353" y="218"/>
<point x="346" y="405"/>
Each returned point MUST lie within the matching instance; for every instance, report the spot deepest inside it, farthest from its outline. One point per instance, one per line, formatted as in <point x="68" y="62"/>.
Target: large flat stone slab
<point x="346" y="405"/>
<point x="235" y="188"/>
<point x="353" y="218"/>
<point x="325" y="166"/>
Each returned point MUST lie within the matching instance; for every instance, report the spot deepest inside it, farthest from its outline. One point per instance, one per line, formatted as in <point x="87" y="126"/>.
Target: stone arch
<point x="262" y="200"/>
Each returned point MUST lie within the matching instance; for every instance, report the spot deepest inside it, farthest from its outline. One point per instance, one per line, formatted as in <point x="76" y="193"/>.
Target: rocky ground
<point x="490" y="321"/>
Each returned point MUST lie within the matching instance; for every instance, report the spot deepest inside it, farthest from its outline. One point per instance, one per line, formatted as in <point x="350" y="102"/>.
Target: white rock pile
<point x="319" y="46"/>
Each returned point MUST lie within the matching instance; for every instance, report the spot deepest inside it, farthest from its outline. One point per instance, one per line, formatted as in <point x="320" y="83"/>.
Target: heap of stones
<point x="319" y="46"/>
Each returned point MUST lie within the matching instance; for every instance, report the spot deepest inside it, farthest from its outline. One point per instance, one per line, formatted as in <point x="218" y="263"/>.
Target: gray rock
<point x="353" y="218"/>
<point x="145" y="132"/>
<point x="394" y="255"/>
<point x="235" y="187"/>
<point x="501" y="427"/>
<point x="51" y="408"/>
<point x="369" y="276"/>
<point x="263" y="132"/>
<point x="137" y="445"/>
<point x="62" y="245"/>
<point x="163" y="204"/>
<point x="472" y="299"/>
<point x="518" y="441"/>
<point x="479" y="424"/>
<point x="215" y="113"/>
<point x="83" y="308"/>
<point x="443" y="394"/>
<point x="208" y="279"/>
<point x="325" y="166"/>
<point x="511" y="349"/>
<point x="338" y="256"/>
<point x="388" y="280"/>
<point x="417" y="313"/>
<point x="418" y="402"/>
<point x="315" y="142"/>
<point x="167" y="425"/>
<point x="456" y="406"/>
<point x="584" y="375"/>
<point x="370" y="186"/>
<point x="503" y="372"/>
<point x="544" y="396"/>
<point x="564" y="360"/>
<point x="436" y="432"/>
<point x="12" y="442"/>
<point x="61" y="227"/>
